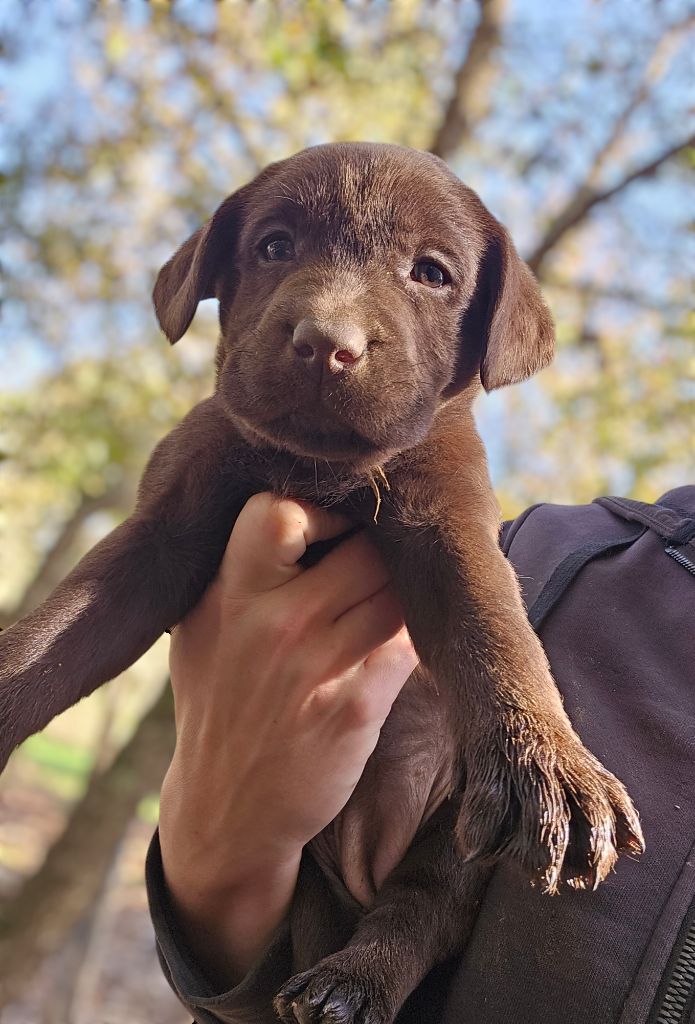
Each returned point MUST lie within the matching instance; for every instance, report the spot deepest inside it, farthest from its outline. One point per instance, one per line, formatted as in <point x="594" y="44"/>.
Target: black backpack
<point x="610" y="588"/>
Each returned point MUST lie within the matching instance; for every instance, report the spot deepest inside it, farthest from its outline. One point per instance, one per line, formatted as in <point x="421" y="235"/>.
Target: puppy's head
<point x="361" y="286"/>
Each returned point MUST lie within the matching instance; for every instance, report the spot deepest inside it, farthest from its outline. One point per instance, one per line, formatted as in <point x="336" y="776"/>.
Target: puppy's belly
<point x="409" y="775"/>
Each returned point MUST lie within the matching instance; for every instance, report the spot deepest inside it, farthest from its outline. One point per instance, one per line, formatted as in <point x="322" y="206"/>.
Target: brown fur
<point x="477" y="759"/>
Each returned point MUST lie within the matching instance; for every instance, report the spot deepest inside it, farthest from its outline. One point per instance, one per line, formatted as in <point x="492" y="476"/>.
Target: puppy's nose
<point x="328" y="349"/>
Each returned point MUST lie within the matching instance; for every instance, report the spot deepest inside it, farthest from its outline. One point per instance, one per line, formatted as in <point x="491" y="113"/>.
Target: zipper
<point x="679" y="557"/>
<point x="675" y="1000"/>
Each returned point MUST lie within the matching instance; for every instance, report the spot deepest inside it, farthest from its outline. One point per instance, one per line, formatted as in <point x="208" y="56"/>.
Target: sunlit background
<point x="124" y="126"/>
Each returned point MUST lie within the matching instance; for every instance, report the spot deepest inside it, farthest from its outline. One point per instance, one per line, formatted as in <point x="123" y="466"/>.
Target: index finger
<point x="268" y="539"/>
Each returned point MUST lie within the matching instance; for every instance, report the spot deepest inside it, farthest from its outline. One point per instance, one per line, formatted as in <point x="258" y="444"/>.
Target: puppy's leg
<point x="423" y="914"/>
<point x="533" y="791"/>
<point x="139" y="580"/>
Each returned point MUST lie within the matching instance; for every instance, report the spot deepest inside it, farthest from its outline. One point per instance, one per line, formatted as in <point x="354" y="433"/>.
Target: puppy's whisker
<point x="289" y="474"/>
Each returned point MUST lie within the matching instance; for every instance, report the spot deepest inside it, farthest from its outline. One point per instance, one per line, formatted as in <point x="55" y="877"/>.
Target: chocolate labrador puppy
<point x="365" y="295"/>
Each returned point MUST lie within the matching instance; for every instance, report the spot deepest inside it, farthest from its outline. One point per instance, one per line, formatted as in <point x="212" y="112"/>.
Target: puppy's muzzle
<point x="325" y="350"/>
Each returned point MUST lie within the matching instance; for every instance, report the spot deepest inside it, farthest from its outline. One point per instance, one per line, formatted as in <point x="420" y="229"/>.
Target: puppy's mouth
<point x="304" y="436"/>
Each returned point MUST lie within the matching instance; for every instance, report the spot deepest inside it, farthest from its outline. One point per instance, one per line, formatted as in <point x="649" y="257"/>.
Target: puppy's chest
<point x="315" y="480"/>
<point x="411" y="772"/>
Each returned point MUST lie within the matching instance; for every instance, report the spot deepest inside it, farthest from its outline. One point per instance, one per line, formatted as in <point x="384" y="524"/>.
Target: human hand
<point x="282" y="677"/>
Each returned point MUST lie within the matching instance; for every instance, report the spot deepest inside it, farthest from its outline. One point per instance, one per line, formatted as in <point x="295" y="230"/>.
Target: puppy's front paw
<point x="339" y="990"/>
<point x="535" y="794"/>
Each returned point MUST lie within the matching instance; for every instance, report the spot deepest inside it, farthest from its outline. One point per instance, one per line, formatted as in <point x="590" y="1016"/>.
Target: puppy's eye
<point x="429" y="273"/>
<point x="278" y="249"/>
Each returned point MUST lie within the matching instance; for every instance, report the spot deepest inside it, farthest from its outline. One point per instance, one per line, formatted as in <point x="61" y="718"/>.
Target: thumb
<point x="268" y="539"/>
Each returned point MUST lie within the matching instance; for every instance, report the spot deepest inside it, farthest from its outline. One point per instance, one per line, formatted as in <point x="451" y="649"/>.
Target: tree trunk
<point x="40" y="917"/>
<point x="56" y="563"/>
<point x="472" y="87"/>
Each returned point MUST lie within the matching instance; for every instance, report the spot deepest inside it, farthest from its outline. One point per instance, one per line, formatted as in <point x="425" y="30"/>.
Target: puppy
<point x="365" y="295"/>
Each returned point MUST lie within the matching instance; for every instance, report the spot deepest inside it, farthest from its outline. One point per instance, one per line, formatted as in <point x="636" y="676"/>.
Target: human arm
<point x="282" y="678"/>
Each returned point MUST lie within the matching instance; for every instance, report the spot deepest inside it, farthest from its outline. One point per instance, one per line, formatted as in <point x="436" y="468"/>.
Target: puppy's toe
<point x="541" y="798"/>
<point x="336" y="991"/>
<point x="604" y="822"/>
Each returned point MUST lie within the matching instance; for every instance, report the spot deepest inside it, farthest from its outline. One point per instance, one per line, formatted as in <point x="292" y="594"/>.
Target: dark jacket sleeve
<point x="250" y="1002"/>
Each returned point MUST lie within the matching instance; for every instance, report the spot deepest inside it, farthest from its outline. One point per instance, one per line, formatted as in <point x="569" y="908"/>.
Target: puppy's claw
<point x="339" y="990"/>
<point x="547" y="803"/>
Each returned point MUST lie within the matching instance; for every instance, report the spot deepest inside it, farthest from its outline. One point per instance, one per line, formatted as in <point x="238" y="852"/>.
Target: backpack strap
<point x="549" y="545"/>
<point x="673" y="522"/>
<point x="675" y="525"/>
<point x="570" y="567"/>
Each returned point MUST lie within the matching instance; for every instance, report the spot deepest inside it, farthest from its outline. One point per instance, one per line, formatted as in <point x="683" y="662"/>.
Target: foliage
<point x="151" y="114"/>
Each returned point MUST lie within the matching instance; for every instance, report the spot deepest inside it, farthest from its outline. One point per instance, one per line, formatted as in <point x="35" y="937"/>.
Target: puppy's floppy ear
<point x="508" y="314"/>
<point x="521" y="333"/>
<point x="189" y="276"/>
<point x="192" y="272"/>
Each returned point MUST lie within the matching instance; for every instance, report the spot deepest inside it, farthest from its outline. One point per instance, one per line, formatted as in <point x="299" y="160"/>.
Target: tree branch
<point x="578" y="208"/>
<point x="472" y="81"/>
<point x="656" y="66"/>
<point x="593" y="291"/>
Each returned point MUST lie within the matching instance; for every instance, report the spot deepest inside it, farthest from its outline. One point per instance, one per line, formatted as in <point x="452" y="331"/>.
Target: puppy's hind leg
<point x="423" y="914"/>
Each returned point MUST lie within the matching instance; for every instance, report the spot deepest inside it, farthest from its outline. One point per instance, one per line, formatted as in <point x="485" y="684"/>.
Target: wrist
<point x="260" y="890"/>
<point x="212" y="852"/>
<point x="227" y="902"/>
<point x="228" y="926"/>
<point x="213" y="873"/>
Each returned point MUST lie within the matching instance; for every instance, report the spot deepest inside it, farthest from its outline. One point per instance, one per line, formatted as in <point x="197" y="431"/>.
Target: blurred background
<point x="124" y="126"/>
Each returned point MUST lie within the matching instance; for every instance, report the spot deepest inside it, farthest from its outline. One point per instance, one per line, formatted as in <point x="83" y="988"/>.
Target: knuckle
<point x="283" y="519"/>
<point x="322" y="702"/>
<point x="259" y="505"/>
<point x="273" y="523"/>
<point x="361" y="553"/>
<point x="285" y="629"/>
<point x="360" y="711"/>
<point x="360" y="547"/>
<point x="390" y="609"/>
<point x="252" y="519"/>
